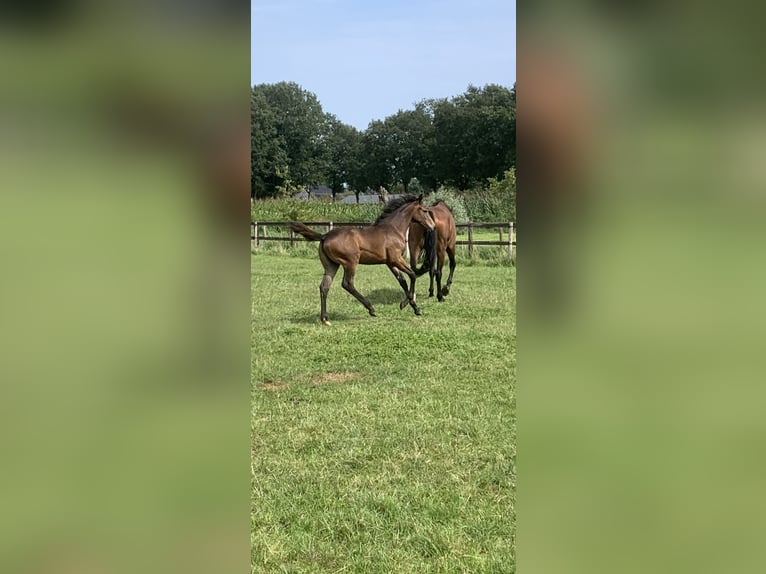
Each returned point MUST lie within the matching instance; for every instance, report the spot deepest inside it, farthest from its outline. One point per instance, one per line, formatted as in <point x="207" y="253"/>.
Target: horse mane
<point x="438" y="201"/>
<point x="394" y="205"/>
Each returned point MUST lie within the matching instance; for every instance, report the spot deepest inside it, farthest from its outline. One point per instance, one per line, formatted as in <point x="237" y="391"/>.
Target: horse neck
<point x="401" y="219"/>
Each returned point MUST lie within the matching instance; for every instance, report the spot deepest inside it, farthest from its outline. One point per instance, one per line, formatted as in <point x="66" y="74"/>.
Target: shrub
<point x="497" y="202"/>
<point x="416" y="188"/>
<point x="452" y="198"/>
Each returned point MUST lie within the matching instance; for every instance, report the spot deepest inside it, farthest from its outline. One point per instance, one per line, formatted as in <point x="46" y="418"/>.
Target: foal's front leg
<point x="401" y="266"/>
<point x="402" y="283"/>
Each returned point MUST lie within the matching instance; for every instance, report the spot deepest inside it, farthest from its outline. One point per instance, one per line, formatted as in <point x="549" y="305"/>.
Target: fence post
<point x="510" y="240"/>
<point x="470" y="238"/>
<point x="292" y="238"/>
<point x="256" y="234"/>
<point x="500" y="229"/>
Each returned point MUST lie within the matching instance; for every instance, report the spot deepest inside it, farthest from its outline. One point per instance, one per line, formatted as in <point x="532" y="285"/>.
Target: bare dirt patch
<point x="274" y="386"/>
<point x="326" y="378"/>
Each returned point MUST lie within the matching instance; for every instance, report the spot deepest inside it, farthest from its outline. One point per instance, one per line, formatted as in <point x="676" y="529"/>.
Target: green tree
<point x="475" y="135"/>
<point x="451" y="152"/>
<point x="376" y="169"/>
<point x="398" y="149"/>
<point x="468" y="142"/>
<point x="267" y="149"/>
<point x="409" y="136"/>
<point x="342" y="150"/>
<point x="290" y="125"/>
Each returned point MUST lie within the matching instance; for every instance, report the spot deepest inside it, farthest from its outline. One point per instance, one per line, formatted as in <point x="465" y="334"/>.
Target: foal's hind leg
<point x="330" y="268"/>
<point x="451" y="255"/>
<point x="431" y="274"/>
<point x="348" y="285"/>
<point x="415" y="250"/>
<point x="438" y="273"/>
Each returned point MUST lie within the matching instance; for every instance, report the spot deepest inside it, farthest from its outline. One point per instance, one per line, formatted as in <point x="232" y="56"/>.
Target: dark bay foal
<point x="382" y="243"/>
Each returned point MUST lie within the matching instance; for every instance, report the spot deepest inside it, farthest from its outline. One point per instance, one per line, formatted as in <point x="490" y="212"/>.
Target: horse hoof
<point x="418" y="311"/>
<point x="403" y="304"/>
<point x="440" y="299"/>
<point x="445" y="291"/>
<point x="326" y="322"/>
<point x="372" y="313"/>
<point x="430" y="293"/>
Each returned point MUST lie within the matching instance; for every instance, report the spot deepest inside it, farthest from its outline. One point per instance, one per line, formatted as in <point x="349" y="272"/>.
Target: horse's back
<point x="365" y="245"/>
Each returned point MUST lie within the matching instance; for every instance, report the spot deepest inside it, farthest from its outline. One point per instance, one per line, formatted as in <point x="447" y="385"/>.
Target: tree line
<point x="464" y="142"/>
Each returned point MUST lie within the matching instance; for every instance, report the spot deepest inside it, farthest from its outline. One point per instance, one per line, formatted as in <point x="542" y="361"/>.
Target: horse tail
<point x="429" y="252"/>
<point x="304" y="230"/>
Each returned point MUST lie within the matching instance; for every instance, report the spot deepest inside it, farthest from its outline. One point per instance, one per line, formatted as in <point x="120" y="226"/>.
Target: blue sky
<point x="366" y="59"/>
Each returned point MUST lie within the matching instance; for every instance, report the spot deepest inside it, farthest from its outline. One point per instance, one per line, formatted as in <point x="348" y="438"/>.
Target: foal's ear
<point x="420" y="198"/>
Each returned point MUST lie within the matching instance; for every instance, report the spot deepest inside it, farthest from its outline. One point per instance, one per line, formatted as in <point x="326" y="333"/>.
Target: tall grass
<point x="489" y="206"/>
<point x="472" y="205"/>
<point x="302" y="210"/>
<point x="496" y="201"/>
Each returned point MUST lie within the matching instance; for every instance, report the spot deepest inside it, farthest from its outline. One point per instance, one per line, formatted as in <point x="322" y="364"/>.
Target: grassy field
<point x="382" y="444"/>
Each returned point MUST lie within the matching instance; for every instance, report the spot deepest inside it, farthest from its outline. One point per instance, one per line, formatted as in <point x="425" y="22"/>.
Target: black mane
<point x="438" y="201"/>
<point x="395" y="205"/>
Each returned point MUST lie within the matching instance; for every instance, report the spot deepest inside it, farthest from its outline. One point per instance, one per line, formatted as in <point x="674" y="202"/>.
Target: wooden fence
<point x="258" y="233"/>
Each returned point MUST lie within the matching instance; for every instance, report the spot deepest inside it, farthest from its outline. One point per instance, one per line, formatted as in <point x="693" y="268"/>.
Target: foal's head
<point x="422" y="215"/>
<point x="413" y="206"/>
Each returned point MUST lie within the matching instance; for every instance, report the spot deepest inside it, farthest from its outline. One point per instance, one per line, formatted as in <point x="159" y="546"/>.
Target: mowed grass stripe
<point x="382" y="444"/>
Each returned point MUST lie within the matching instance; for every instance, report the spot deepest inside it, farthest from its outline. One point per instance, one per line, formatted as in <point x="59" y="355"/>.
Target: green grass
<point x="483" y="254"/>
<point x="382" y="444"/>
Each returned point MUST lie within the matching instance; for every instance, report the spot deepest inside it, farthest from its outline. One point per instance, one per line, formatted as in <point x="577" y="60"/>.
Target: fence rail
<point x="258" y="232"/>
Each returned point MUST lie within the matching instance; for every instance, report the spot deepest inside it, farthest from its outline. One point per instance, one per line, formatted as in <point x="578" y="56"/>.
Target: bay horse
<point x="435" y="243"/>
<point x="381" y="243"/>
